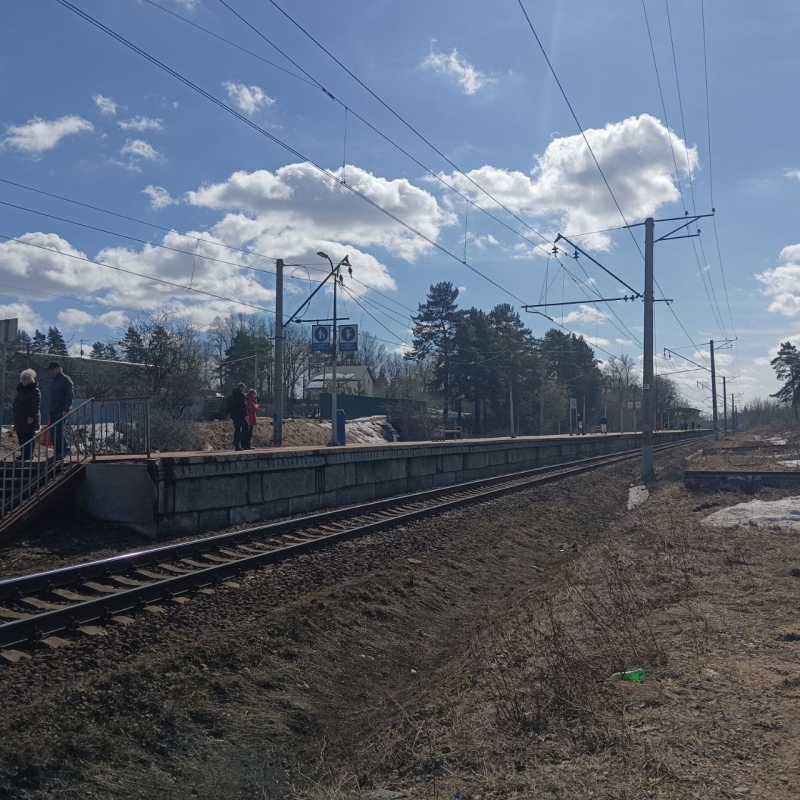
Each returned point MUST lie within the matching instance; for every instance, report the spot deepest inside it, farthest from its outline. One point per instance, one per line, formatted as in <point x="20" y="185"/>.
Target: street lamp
<point x="334" y="385"/>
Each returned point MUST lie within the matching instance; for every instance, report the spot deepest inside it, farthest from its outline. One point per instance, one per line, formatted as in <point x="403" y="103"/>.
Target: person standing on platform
<point x="62" y="396"/>
<point x="252" y="410"/>
<point x="580" y="425"/>
<point x="237" y="408"/>
<point x="603" y="425"/>
<point x="27" y="413"/>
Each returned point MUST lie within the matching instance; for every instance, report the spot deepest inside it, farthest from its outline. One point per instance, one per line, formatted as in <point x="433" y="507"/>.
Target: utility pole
<point x="277" y="422"/>
<point x="511" y="406"/>
<point x="733" y="413"/>
<point x="715" y="418"/>
<point x="334" y="442"/>
<point x="647" y="383"/>
<point x="724" y="407"/>
<point x="541" y="402"/>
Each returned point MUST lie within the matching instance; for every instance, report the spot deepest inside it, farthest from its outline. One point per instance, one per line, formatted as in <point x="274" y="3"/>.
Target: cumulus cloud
<point x="141" y="124"/>
<point x="793" y="173"/>
<point x="623" y="341"/>
<point x="782" y="283"/>
<point x="75" y="319"/>
<point x="248" y="99"/>
<point x="586" y="314"/>
<point x="299" y="208"/>
<point x="595" y="341"/>
<point x="139" y="148"/>
<point x="470" y="79"/>
<point x="720" y="359"/>
<point x="566" y="189"/>
<point x="105" y="104"/>
<point x="159" y="196"/>
<point x="53" y="270"/>
<point x="29" y="320"/>
<point x="39" y="135"/>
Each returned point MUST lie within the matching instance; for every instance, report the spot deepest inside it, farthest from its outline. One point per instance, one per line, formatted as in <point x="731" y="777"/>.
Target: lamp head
<point x="323" y="255"/>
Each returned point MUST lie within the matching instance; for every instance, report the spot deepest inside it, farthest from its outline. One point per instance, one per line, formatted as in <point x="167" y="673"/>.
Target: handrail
<point x="115" y="424"/>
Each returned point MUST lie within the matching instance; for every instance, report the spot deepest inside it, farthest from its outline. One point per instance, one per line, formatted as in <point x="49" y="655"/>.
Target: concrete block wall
<point x="196" y="493"/>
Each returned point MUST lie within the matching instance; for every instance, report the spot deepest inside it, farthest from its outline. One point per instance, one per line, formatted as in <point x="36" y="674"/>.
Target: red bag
<point x="46" y="436"/>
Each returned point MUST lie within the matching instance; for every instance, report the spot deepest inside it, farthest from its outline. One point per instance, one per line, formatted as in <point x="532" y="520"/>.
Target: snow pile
<point x="775" y="514"/>
<point x="777" y="441"/>
<point x="366" y="430"/>
<point x="636" y="496"/>
<point x="794" y="464"/>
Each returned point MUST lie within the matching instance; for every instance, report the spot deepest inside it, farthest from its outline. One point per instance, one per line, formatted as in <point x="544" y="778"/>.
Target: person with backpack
<point x="252" y="409"/>
<point x="237" y="408"/>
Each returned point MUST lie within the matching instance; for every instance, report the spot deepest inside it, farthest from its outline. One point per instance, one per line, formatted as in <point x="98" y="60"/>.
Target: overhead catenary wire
<point x="137" y="274"/>
<point x="221" y="104"/>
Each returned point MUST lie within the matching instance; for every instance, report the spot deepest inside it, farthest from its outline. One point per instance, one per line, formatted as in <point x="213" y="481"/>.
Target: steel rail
<point x="17" y="627"/>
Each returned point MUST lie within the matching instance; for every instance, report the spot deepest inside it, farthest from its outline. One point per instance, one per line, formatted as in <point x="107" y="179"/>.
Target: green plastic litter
<point x="635" y="675"/>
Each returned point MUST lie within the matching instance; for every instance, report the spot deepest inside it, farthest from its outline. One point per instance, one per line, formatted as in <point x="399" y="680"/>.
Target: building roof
<point x="344" y="372"/>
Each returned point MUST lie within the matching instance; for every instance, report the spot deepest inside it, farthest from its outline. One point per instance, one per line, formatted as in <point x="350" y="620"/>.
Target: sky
<point x="458" y="159"/>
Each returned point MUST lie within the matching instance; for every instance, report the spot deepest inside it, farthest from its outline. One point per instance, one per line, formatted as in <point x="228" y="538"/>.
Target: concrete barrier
<point x="201" y="492"/>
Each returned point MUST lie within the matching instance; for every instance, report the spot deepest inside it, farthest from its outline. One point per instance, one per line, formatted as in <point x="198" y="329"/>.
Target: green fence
<point x="356" y="406"/>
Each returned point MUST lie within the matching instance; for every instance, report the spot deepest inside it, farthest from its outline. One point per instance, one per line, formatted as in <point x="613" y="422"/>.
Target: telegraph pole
<point x="541" y="403"/>
<point x="715" y="424"/>
<point x="724" y="407"/>
<point x="647" y="383"/>
<point x="334" y="442"/>
<point x="277" y="422"/>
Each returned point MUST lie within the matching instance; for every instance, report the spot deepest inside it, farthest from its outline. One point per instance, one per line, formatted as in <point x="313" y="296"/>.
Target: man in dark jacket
<point x="62" y="395"/>
<point x="27" y="417"/>
<point x="237" y="408"/>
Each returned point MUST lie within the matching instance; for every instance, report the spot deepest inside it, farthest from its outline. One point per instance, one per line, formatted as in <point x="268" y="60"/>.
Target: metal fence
<point x="92" y="428"/>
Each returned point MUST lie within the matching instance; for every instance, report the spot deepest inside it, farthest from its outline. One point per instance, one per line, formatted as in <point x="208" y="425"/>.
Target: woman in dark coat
<point x="27" y="411"/>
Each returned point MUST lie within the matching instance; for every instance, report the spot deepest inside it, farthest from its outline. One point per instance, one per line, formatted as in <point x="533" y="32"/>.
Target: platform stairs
<point x="34" y="478"/>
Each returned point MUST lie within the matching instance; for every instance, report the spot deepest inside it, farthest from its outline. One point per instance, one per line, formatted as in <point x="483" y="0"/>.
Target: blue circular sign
<point x="321" y="333"/>
<point x="348" y="333"/>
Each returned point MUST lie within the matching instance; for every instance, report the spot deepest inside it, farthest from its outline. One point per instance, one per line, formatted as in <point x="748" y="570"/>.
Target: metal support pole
<point x="715" y="423"/>
<point x="541" y="403"/>
<point x="3" y="387"/>
<point x="724" y="406"/>
<point x="277" y="422"/>
<point x="94" y="434"/>
<point x="647" y="382"/>
<point x="511" y="406"/>
<point x="334" y="387"/>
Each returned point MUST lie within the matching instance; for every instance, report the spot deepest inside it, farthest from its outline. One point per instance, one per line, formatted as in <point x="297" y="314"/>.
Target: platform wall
<point x="195" y="493"/>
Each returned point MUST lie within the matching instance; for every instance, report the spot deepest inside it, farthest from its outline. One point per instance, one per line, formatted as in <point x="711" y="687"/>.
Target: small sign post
<point x="320" y="338"/>
<point x="348" y="338"/>
<point x="8" y="333"/>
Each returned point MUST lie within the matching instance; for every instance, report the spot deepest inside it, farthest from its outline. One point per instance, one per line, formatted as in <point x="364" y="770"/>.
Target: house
<point x="355" y="379"/>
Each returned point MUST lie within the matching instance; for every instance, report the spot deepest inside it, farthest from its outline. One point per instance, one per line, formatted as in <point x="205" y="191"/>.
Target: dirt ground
<point x="467" y="655"/>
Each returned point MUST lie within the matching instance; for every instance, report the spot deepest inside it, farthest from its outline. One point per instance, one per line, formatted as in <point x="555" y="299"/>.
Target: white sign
<point x="320" y="337"/>
<point x="8" y="330"/>
<point x="348" y="338"/>
<point x="573" y="403"/>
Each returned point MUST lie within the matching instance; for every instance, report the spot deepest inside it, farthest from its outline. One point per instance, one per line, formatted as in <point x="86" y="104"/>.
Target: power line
<point x="137" y="274"/>
<point x="276" y="140"/>
<point x="710" y="165"/>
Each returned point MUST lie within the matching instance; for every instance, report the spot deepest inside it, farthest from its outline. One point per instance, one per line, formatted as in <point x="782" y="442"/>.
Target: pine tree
<point x="24" y="342"/>
<point x="434" y="333"/>
<point x="133" y="346"/>
<point x="39" y="342"/>
<point x="56" y="346"/>
<point x="787" y="368"/>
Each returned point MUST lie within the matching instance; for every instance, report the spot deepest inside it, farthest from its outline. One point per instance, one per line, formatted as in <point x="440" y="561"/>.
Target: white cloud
<point x="29" y="320"/>
<point x="139" y="148"/>
<point x="105" y="104"/>
<point x="566" y="189"/>
<point x="585" y="314"/>
<point x="74" y="320"/>
<point x="793" y="173"/>
<point x="720" y="359"/>
<point x="623" y="341"/>
<point x="248" y="99"/>
<point x="462" y="289"/>
<point x="39" y="135"/>
<point x="141" y="124"/>
<point x="159" y="196"/>
<point x="451" y="64"/>
<point x="782" y="283"/>
<point x="296" y="211"/>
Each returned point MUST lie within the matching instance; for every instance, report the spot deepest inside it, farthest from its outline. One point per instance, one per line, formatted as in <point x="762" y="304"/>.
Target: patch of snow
<point x="636" y="496"/>
<point x="792" y="463"/>
<point x="778" y="441"/>
<point x="693" y="456"/>
<point x="775" y="514"/>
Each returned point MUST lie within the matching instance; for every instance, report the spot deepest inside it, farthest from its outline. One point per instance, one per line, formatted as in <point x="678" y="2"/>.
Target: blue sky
<point x="85" y="118"/>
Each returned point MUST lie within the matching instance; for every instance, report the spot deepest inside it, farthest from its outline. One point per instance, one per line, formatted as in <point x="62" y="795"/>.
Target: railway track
<point x="35" y="607"/>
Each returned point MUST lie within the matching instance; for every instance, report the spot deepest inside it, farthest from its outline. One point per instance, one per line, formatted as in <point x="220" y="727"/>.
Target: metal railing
<point x="92" y="428"/>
